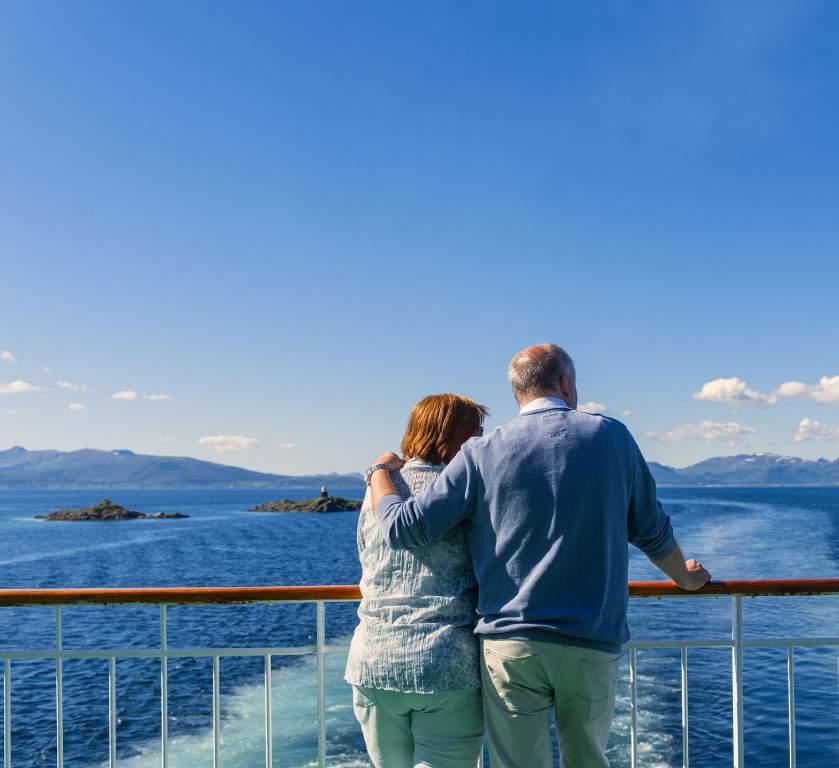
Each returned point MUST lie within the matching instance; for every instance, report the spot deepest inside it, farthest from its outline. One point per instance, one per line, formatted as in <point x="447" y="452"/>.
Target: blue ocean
<point x="737" y="533"/>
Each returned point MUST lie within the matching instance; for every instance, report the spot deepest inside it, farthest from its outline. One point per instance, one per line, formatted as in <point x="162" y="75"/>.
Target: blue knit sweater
<point x="549" y="502"/>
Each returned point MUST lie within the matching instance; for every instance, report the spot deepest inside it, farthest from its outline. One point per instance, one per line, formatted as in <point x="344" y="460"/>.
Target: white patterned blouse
<point x="417" y="610"/>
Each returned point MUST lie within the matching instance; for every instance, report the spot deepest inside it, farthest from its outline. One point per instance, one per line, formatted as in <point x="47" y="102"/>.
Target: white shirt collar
<point x="541" y="403"/>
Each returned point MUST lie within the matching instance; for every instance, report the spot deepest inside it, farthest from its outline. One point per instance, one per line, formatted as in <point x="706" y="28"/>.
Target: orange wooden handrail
<point x="233" y="595"/>
<point x="177" y="595"/>
<point x="743" y="588"/>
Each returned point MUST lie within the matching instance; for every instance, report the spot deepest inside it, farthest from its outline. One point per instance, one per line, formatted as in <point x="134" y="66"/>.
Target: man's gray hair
<point x="537" y="369"/>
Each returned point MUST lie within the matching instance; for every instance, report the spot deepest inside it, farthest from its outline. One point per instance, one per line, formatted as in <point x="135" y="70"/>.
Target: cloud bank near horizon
<point x="709" y="431"/>
<point x="228" y="443"/>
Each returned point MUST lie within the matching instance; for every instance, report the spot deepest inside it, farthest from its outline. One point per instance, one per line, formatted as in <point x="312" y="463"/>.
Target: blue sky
<point x="293" y="220"/>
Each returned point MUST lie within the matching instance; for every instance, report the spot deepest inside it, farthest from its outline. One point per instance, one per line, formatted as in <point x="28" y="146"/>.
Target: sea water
<point x="738" y="533"/>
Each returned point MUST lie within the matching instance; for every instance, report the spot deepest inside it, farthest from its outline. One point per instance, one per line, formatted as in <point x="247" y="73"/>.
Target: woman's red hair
<point x="439" y="425"/>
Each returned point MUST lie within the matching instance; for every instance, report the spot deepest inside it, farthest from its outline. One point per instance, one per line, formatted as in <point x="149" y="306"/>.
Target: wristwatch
<point x="370" y="470"/>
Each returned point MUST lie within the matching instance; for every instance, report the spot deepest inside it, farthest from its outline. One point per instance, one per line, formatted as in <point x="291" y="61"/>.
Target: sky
<point x="258" y="233"/>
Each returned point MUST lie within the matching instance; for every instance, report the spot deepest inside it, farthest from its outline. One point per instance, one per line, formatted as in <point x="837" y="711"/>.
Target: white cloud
<point x="285" y="445"/>
<point x="6" y="355"/>
<point x="168" y="439"/>
<point x="626" y="413"/>
<point x="826" y="391"/>
<point x="8" y="411"/>
<point x="592" y="407"/>
<point x="736" y="390"/>
<point x="131" y="394"/>
<point x="225" y="443"/>
<point x="732" y="390"/>
<point x="125" y="394"/>
<point x="709" y="431"/>
<point x="46" y="369"/>
<point x="792" y="389"/>
<point x="72" y="386"/>
<point x="18" y="387"/>
<point x="76" y="407"/>
<point x="810" y="429"/>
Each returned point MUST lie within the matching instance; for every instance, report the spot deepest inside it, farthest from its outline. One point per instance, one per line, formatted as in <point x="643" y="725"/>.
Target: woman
<point x="413" y="661"/>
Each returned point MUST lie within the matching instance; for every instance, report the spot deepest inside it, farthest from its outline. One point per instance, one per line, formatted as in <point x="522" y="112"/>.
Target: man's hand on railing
<point x="695" y="578"/>
<point x="687" y="574"/>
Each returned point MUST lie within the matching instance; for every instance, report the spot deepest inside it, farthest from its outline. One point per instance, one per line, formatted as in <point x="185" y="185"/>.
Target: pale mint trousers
<point x="524" y="681"/>
<point x="420" y="730"/>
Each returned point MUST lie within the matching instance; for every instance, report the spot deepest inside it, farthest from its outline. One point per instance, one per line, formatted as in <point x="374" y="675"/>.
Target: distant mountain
<point x="89" y="468"/>
<point x="665" y="475"/>
<point x="750" y="469"/>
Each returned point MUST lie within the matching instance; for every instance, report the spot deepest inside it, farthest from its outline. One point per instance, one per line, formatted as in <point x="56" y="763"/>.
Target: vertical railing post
<point x="791" y="703"/>
<point x="633" y="704"/>
<point x="737" y="681"/>
<point x="59" y="691"/>
<point x="164" y="691"/>
<point x="685" y="726"/>
<point x="216" y="711"/>
<point x="7" y="713"/>
<point x="269" y="735"/>
<point x="320" y="613"/>
<point x="112" y="712"/>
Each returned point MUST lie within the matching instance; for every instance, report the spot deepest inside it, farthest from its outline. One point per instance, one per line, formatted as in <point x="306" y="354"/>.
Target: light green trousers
<point x="524" y="681"/>
<point x="420" y="730"/>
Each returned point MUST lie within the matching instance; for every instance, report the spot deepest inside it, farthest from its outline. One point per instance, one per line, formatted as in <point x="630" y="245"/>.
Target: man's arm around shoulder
<point x="420" y="520"/>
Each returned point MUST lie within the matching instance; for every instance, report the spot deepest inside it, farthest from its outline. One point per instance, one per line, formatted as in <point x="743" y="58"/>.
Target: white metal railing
<point x="322" y="595"/>
<point x="60" y="654"/>
<point x="737" y="643"/>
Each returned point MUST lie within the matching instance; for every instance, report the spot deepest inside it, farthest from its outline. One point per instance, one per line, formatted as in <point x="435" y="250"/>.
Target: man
<point x="549" y="502"/>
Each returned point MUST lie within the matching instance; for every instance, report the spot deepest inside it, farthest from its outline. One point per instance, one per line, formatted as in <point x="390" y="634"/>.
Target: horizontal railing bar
<point x="311" y="650"/>
<point x="178" y="595"/>
<point x="795" y="642"/>
<point x="336" y="649"/>
<point x="340" y="593"/>
<point x="646" y="645"/>
<point x="757" y="642"/>
<point x="777" y="587"/>
<point x="155" y="653"/>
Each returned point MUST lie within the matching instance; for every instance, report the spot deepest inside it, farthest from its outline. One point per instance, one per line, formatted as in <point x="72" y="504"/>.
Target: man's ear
<point x="566" y="386"/>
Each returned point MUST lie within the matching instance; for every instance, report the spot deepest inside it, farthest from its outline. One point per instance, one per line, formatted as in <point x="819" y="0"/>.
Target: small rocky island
<point x="321" y="504"/>
<point x="106" y="510"/>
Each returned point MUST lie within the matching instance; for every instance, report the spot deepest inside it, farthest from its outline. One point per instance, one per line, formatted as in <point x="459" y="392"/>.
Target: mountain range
<point x="90" y="468"/>
<point x="750" y="469"/>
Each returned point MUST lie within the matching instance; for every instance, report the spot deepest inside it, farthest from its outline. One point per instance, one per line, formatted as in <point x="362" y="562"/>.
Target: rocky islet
<point x="106" y="511"/>
<point x="318" y="505"/>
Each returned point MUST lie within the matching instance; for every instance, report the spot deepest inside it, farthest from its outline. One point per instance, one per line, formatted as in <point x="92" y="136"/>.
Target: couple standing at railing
<point x="494" y="578"/>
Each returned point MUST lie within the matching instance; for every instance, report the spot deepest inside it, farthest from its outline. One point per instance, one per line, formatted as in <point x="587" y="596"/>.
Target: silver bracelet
<point x="370" y="470"/>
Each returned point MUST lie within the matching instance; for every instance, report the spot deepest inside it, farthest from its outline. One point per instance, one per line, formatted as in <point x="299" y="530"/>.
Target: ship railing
<point x="320" y="596"/>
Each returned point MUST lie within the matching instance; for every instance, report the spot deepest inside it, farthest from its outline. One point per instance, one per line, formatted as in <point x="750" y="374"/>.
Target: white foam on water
<point x="294" y="726"/>
<point x="713" y="502"/>
<point x="137" y="540"/>
<point x="293" y="723"/>
<point x="654" y="743"/>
